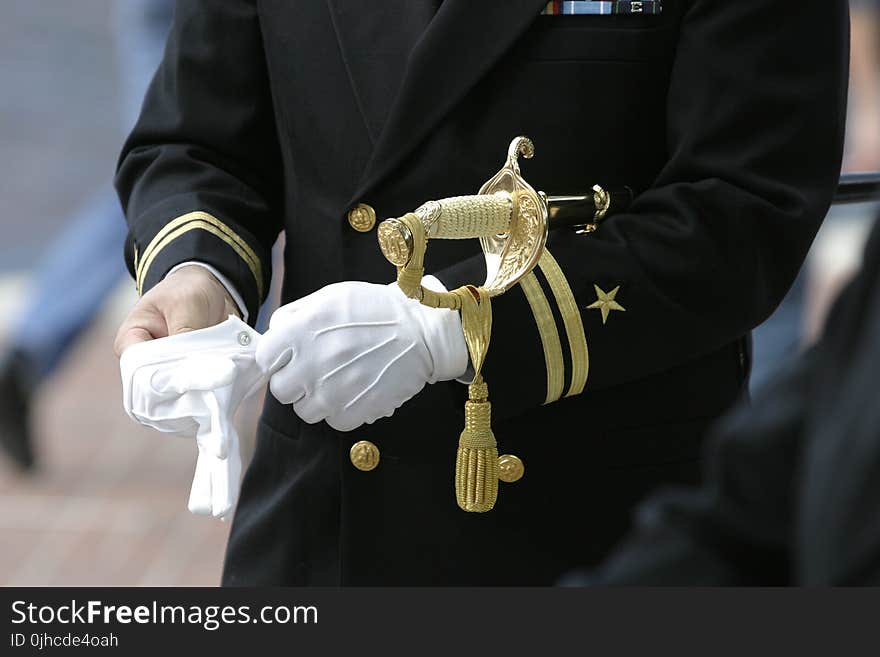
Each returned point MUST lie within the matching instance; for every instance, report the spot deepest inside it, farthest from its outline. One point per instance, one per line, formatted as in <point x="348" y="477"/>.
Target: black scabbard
<point x="577" y="211"/>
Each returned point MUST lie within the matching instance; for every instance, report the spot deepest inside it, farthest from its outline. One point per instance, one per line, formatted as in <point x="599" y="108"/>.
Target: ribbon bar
<point x="603" y="7"/>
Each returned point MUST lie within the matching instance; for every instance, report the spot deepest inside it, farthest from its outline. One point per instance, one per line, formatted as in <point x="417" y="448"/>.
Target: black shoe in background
<point x="15" y="433"/>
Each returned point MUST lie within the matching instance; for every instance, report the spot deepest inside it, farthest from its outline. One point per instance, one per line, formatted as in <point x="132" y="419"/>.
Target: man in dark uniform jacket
<point x="316" y="117"/>
<point x="793" y="485"/>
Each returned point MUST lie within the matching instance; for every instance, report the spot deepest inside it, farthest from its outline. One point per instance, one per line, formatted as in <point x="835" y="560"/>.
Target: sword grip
<point x="462" y="217"/>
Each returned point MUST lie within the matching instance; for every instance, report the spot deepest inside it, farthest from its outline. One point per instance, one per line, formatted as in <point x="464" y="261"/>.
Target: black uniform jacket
<point x="726" y="118"/>
<point x="793" y="485"/>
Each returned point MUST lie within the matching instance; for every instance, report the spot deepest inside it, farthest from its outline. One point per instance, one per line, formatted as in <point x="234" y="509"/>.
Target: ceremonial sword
<point x="512" y="221"/>
<point x="510" y="218"/>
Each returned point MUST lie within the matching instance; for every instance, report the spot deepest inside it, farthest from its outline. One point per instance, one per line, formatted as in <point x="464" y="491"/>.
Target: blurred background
<point x="106" y="503"/>
<point x="99" y="500"/>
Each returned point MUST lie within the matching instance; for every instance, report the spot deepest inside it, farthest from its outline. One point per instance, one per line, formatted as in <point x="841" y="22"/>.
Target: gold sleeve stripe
<point x="211" y="228"/>
<point x="198" y="221"/>
<point x="159" y="242"/>
<point x="158" y="238"/>
<point x="571" y="317"/>
<point x="549" y="336"/>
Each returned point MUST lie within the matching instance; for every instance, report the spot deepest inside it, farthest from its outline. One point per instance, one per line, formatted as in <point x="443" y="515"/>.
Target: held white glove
<point x="191" y="385"/>
<point x="358" y="351"/>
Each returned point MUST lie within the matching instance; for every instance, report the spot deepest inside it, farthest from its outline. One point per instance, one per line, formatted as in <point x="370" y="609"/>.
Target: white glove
<point x="191" y="385"/>
<point x="358" y="351"/>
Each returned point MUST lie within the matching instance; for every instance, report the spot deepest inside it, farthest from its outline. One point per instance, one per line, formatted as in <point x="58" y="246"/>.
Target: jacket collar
<point x="459" y="46"/>
<point x="375" y="39"/>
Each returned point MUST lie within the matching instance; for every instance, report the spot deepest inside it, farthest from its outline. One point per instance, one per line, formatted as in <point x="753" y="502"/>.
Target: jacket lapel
<point x="458" y="48"/>
<point x="375" y="39"/>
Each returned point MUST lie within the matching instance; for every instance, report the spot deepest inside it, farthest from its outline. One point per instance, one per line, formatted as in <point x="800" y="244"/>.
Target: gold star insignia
<point x="605" y="302"/>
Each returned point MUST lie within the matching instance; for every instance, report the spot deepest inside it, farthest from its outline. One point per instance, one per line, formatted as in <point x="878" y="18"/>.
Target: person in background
<point x="85" y="251"/>
<point x="792" y="486"/>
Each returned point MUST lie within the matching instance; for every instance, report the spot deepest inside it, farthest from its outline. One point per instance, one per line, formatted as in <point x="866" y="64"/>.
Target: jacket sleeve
<point x="790" y="479"/>
<point x="755" y="116"/>
<point x="199" y="175"/>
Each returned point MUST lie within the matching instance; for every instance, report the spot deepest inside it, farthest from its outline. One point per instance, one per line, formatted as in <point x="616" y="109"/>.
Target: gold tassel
<point x="476" y="465"/>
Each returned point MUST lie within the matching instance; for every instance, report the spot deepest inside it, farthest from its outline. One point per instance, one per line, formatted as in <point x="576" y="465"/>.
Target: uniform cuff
<point x="156" y="246"/>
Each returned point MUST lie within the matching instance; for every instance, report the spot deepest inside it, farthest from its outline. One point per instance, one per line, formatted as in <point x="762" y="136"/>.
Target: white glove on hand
<point x="358" y="351"/>
<point x="191" y="384"/>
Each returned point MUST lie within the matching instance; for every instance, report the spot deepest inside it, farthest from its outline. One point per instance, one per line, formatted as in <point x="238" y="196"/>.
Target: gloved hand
<point x="358" y="351"/>
<point x="191" y="384"/>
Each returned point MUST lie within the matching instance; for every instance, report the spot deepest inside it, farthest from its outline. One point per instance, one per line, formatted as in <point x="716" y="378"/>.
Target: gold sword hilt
<point x="508" y="216"/>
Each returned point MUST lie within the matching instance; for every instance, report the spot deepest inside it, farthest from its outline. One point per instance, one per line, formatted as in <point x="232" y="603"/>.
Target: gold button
<point x="510" y="468"/>
<point x="364" y="455"/>
<point x="362" y="218"/>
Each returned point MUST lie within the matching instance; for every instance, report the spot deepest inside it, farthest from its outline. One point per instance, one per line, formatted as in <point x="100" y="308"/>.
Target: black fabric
<point x="793" y="483"/>
<point x="728" y="128"/>
<point x="379" y="41"/>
